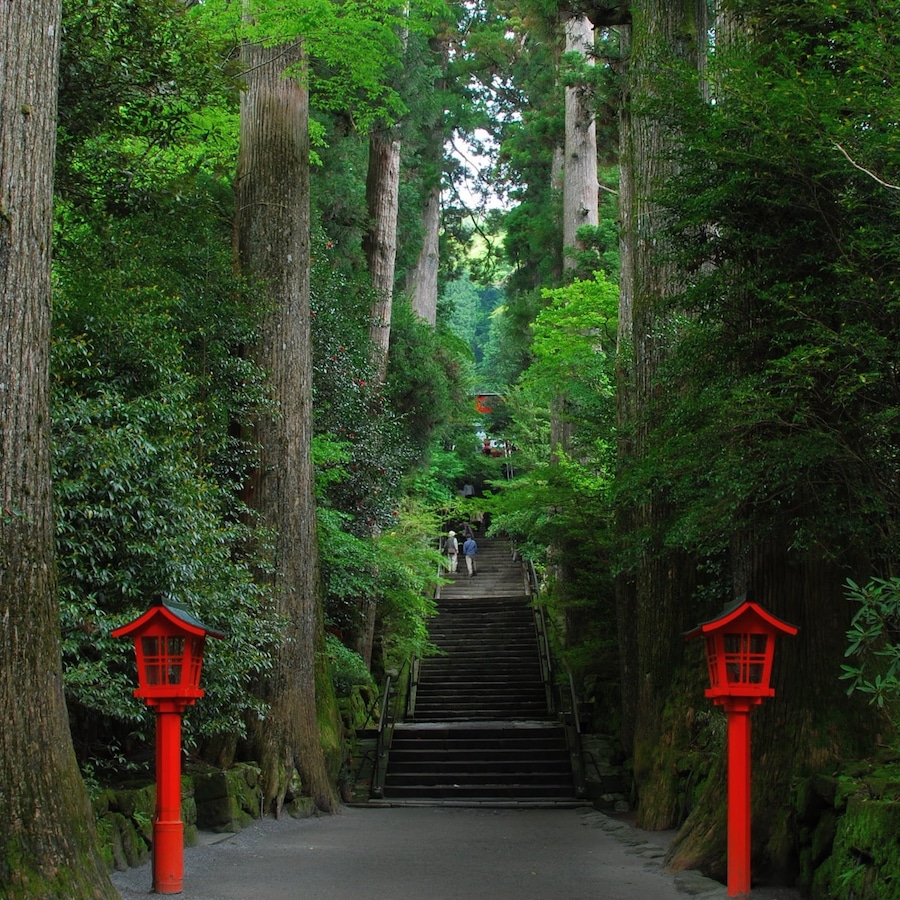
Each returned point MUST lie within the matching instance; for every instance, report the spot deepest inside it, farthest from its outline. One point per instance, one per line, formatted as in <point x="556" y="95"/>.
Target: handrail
<point x="411" y="688"/>
<point x="382" y="743"/>
<point x="557" y="702"/>
<point x="385" y="731"/>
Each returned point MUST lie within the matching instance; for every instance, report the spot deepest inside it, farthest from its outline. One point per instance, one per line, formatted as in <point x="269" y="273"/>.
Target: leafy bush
<point x="147" y="386"/>
<point x="874" y="637"/>
<point x="348" y="670"/>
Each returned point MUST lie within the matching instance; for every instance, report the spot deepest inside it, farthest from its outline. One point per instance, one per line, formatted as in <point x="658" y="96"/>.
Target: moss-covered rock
<point x="125" y="845"/>
<point x="331" y="729"/>
<point x="227" y="800"/>
<point x="301" y="808"/>
<point x="220" y="800"/>
<point x="865" y="862"/>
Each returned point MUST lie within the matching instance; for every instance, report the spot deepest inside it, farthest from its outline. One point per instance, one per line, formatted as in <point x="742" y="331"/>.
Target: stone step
<point x="481" y="730"/>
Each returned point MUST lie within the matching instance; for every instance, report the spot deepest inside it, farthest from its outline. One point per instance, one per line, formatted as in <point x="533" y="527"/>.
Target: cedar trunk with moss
<point x="654" y="600"/>
<point x="272" y="225"/>
<point x="48" y="839"/>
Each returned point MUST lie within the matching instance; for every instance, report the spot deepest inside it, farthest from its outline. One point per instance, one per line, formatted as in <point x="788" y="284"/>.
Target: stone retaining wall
<point x="221" y="800"/>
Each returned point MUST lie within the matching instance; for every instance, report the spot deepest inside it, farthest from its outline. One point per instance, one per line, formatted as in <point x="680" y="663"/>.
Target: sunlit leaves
<point x="351" y="46"/>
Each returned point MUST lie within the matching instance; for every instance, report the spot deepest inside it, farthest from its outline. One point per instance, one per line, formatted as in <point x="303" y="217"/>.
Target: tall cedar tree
<point x="799" y="398"/>
<point x="47" y="833"/>
<point x="654" y="595"/>
<point x="580" y="185"/>
<point x="720" y="314"/>
<point x="272" y="230"/>
<point x="380" y="242"/>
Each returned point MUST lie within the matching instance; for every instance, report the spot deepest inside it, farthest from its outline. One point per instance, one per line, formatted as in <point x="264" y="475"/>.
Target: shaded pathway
<point x="439" y="853"/>
<point x="410" y="853"/>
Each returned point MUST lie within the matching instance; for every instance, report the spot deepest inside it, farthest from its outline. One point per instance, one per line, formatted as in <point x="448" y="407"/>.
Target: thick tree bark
<point x="422" y="279"/>
<point x="653" y="600"/>
<point x="625" y="414"/>
<point x="580" y="185"/>
<point x="380" y="243"/>
<point x="48" y="841"/>
<point x="272" y="231"/>
<point x="810" y="722"/>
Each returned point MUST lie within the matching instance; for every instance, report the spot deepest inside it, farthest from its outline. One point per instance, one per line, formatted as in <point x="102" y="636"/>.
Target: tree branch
<point x="856" y="165"/>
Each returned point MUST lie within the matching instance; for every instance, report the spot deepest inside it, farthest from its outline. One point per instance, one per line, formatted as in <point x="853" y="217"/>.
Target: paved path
<point x="434" y="853"/>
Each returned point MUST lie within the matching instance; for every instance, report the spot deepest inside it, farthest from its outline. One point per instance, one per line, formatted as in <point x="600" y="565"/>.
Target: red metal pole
<point x="738" y="712"/>
<point x="168" y="829"/>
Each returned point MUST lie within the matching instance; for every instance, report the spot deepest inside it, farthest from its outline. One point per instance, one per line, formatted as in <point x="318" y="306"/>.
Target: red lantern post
<point x="740" y="647"/>
<point x="168" y="644"/>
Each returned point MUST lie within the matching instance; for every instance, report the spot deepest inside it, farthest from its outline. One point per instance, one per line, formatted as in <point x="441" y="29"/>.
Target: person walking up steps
<point x="452" y="548"/>
<point x="470" y="548"/>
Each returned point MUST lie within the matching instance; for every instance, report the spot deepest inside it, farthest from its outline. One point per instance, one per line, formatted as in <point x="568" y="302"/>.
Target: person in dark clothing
<point x="470" y="548"/>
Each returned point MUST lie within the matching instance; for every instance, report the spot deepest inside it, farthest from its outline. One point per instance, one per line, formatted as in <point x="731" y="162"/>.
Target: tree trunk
<point x="272" y="231"/>
<point x="580" y="185"/>
<point x="422" y="279"/>
<point x="625" y="415"/>
<point x="47" y="831"/>
<point x="380" y="243"/>
<point x="653" y="597"/>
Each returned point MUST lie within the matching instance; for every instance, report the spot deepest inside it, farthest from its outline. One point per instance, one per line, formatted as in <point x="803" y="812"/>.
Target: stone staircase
<point x="479" y="730"/>
<point x="498" y="574"/>
<point x="490" y="668"/>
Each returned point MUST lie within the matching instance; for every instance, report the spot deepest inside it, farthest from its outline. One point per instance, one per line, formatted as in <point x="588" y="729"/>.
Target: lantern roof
<point x="739" y="610"/>
<point x="172" y="612"/>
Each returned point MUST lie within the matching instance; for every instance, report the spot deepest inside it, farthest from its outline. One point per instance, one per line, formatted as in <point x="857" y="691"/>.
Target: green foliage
<point x="474" y="316"/>
<point x="874" y="641"/>
<point x="425" y="385"/>
<point x="370" y="444"/>
<point x="574" y="341"/>
<point x="137" y="79"/>
<point x="408" y="563"/>
<point x="348" y="670"/>
<point x="148" y="381"/>
<point x="349" y="567"/>
<point x="395" y="569"/>
<point x="777" y="403"/>
<point x="561" y="497"/>
<point x="352" y="47"/>
<point x="572" y="370"/>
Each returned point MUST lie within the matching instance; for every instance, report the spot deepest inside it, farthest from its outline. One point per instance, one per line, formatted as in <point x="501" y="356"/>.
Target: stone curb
<point x="692" y="883"/>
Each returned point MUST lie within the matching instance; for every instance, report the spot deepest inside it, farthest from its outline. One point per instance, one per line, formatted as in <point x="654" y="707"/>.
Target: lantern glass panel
<point x="175" y="648"/>
<point x="163" y="657"/>
<point x="712" y="659"/>
<point x="150" y="648"/>
<point x="745" y="657"/>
